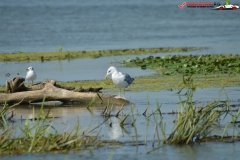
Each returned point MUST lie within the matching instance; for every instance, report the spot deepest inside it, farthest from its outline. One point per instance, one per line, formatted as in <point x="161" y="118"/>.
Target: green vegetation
<point x="68" y="55"/>
<point x="40" y="135"/>
<point x="193" y="123"/>
<point x="160" y="82"/>
<point x="208" y="71"/>
<point x="196" y="122"/>
<point x="193" y="64"/>
<point x="156" y="83"/>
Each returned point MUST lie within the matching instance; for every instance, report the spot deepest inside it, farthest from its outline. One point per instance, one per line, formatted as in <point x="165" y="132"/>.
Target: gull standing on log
<point x="31" y="75"/>
<point x="121" y="80"/>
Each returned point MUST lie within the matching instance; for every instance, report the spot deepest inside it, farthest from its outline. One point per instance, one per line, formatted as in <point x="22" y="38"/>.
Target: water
<point x="66" y="117"/>
<point x="79" y="69"/>
<point x="206" y="151"/>
<point x="31" y="25"/>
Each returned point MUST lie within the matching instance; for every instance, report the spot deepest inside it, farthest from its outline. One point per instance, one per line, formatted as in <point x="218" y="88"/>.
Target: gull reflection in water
<point x="115" y="131"/>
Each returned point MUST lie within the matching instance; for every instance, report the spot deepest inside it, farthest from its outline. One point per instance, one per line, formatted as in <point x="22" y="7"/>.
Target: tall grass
<point x="195" y="123"/>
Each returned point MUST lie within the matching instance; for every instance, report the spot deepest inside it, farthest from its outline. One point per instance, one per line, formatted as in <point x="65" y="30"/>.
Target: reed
<point x="126" y="116"/>
<point x="192" y="123"/>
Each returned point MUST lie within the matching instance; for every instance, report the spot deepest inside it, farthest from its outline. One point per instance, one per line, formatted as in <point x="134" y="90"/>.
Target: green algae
<point x="68" y="55"/>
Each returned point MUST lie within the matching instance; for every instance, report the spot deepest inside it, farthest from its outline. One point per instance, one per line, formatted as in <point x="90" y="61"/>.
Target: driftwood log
<point x="16" y="91"/>
<point x="17" y="85"/>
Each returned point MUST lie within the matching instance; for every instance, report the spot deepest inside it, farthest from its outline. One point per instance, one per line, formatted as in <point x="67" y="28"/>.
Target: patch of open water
<point x="208" y="151"/>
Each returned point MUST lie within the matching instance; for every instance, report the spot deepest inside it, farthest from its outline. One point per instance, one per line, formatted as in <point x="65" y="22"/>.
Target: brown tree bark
<point x="50" y="92"/>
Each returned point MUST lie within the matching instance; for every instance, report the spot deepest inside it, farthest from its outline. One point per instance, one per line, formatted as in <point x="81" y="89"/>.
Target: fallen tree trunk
<point x="52" y="93"/>
<point x="17" y="85"/>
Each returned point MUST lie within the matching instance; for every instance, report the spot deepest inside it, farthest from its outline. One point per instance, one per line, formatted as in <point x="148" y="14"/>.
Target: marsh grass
<point x="40" y="135"/>
<point x="126" y="116"/>
<point x="194" y="123"/>
<point x="234" y="118"/>
<point x="68" y="55"/>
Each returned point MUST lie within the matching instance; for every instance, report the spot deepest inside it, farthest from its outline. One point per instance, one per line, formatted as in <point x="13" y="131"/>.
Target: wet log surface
<point x="16" y="91"/>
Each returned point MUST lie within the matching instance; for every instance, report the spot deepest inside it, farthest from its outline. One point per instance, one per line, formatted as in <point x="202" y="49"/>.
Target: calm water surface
<point x="66" y="117"/>
<point x="31" y="25"/>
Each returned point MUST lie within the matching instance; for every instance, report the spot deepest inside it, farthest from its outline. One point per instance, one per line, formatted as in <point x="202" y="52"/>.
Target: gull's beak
<point x="106" y="76"/>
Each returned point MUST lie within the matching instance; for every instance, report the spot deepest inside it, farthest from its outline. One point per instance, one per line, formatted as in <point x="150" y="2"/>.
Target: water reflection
<point x="31" y="111"/>
<point x="114" y="130"/>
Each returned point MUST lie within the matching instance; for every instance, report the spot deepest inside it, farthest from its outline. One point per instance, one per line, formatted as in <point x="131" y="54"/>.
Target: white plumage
<point x="121" y="80"/>
<point x="31" y="75"/>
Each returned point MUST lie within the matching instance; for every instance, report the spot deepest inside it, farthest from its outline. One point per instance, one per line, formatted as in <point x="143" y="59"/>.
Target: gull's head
<point x="110" y="70"/>
<point x="30" y="68"/>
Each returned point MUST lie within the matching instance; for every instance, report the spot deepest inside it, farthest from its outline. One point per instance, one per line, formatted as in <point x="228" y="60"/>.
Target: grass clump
<point x="195" y="123"/>
<point x="68" y="55"/>
<point x="191" y="122"/>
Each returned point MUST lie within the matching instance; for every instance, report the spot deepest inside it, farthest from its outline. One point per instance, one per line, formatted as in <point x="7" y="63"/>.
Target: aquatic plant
<point x="59" y="48"/>
<point x="195" y="123"/>
<point x="125" y="117"/>
<point x="187" y="65"/>
<point x="4" y="115"/>
<point x="39" y="135"/>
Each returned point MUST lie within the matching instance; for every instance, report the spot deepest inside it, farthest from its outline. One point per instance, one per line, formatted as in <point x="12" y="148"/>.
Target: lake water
<point x="31" y="25"/>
